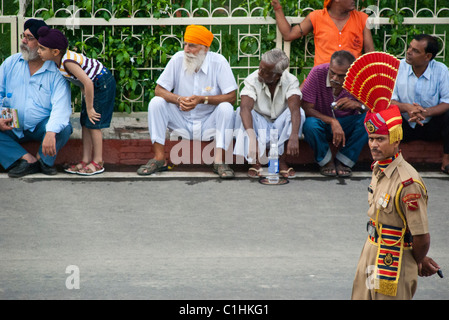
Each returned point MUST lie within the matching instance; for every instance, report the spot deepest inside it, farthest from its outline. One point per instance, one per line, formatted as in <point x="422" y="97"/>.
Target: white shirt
<point x="258" y="91"/>
<point x="215" y="77"/>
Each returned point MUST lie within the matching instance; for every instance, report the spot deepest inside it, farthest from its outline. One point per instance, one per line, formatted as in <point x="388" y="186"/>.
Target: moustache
<point x="336" y="82"/>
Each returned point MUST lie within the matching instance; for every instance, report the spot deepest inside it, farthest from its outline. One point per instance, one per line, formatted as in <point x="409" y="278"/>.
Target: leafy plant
<point x="137" y="54"/>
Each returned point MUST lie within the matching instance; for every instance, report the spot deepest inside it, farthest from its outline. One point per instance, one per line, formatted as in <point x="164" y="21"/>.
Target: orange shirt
<point x="329" y="39"/>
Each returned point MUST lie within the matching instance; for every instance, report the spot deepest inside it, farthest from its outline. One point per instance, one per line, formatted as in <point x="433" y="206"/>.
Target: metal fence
<point x="242" y="32"/>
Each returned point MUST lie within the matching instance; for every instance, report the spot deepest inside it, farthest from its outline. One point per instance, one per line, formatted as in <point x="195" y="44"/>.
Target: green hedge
<point x="129" y="62"/>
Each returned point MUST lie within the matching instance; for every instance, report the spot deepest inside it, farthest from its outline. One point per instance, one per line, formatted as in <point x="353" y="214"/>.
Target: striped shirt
<point x="92" y="67"/>
<point x="317" y="90"/>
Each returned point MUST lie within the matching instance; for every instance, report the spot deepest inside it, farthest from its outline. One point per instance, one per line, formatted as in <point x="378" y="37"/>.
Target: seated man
<point x="422" y="94"/>
<point x="270" y="100"/>
<point x="42" y="99"/>
<point x="194" y="94"/>
<point x="334" y="115"/>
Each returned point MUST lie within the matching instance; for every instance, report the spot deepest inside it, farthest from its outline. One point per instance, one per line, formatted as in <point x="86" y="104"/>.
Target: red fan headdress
<point x="371" y="79"/>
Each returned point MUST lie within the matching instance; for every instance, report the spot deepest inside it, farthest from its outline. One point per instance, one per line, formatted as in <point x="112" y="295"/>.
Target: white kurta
<point x="214" y="78"/>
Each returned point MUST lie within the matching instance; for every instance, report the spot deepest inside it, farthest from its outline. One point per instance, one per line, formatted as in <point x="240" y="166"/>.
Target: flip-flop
<point x="151" y="167"/>
<point x="257" y="171"/>
<point x="446" y="169"/>
<point x="287" y="172"/>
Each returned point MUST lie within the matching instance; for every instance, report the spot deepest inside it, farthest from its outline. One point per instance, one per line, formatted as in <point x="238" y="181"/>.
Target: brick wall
<point x="139" y="151"/>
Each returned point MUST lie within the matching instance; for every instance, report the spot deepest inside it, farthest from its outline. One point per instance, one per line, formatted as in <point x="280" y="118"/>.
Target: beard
<point x="193" y="62"/>
<point x="27" y="53"/>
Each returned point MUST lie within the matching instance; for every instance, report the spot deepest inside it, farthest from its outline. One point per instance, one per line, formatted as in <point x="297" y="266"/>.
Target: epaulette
<point x="407" y="182"/>
<point x="405" y="175"/>
<point x="407" y="178"/>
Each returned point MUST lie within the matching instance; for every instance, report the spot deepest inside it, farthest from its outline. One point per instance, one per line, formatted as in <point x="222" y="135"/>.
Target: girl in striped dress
<point x="98" y="87"/>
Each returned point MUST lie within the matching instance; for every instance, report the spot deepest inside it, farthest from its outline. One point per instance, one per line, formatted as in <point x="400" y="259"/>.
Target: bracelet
<point x="206" y="100"/>
<point x="300" y="30"/>
<point x="178" y="99"/>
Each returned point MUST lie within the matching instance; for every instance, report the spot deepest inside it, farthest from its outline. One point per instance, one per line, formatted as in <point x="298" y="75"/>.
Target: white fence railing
<point x="245" y="22"/>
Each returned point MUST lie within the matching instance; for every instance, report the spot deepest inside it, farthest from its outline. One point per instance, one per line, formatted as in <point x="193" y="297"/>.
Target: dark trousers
<point x="436" y="129"/>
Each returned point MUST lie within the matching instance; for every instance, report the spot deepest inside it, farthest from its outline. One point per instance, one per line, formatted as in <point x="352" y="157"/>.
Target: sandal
<point x="257" y="173"/>
<point x="151" y="167"/>
<point x="223" y="170"/>
<point x="328" y="171"/>
<point x="75" y="167"/>
<point x="286" y="173"/>
<point x="345" y="170"/>
<point x="87" y="171"/>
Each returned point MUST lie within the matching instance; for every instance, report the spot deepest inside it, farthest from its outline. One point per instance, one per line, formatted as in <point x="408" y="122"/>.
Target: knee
<point x="156" y="103"/>
<point x="225" y="107"/>
<point x="225" y="110"/>
<point x="310" y="124"/>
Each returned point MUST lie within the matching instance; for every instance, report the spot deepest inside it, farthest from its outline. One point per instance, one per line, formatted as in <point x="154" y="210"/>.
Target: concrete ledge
<point x="185" y="175"/>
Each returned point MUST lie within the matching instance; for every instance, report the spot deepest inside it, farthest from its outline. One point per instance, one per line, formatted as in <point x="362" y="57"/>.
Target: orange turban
<point x="327" y="3"/>
<point x="198" y="35"/>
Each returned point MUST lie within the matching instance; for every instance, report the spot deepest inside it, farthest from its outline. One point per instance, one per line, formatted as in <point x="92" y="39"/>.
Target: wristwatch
<point x="206" y="100"/>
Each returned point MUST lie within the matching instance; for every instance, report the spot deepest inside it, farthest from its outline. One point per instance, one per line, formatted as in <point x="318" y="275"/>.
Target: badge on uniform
<point x="383" y="200"/>
<point x="411" y="200"/>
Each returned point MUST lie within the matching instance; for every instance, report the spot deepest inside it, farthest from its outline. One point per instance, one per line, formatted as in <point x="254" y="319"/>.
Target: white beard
<point x="192" y="62"/>
<point x="27" y="54"/>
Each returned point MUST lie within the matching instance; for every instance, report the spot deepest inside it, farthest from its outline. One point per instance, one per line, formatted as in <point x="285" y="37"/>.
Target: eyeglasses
<point x="190" y="45"/>
<point x="29" y="38"/>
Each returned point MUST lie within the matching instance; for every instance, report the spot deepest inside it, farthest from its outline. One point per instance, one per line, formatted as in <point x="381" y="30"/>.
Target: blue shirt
<point x="429" y="90"/>
<point x="45" y="94"/>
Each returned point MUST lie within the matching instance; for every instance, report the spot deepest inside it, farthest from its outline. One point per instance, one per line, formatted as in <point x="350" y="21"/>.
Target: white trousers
<point x="262" y="128"/>
<point x="217" y="125"/>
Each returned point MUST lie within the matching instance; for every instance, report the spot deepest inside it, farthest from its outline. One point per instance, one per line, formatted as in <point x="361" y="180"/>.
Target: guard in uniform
<point x="398" y="239"/>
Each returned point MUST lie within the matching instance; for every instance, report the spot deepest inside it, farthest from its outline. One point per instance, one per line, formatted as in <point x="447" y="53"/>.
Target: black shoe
<point x="45" y="169"/>
<point x="22" y="168"/>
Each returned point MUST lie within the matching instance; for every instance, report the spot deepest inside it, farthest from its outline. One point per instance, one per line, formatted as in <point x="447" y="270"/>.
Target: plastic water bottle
<point x="273" y="160"/>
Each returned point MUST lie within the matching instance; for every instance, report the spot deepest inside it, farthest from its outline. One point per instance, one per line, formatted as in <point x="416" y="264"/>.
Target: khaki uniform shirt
<point x="412" y="199"/>
<point x="413" y="204"/>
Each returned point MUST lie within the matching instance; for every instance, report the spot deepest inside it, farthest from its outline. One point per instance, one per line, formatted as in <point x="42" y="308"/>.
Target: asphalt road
<point x="193" y="238"/>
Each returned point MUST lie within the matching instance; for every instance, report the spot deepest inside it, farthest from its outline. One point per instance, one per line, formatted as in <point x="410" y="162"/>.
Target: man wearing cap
<point x="422" y="94"/>
<point x="194" y="97"/>
<point x="398" y="239"/>
<point x="42" y="99"/>
<point x="338" y="26"/>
